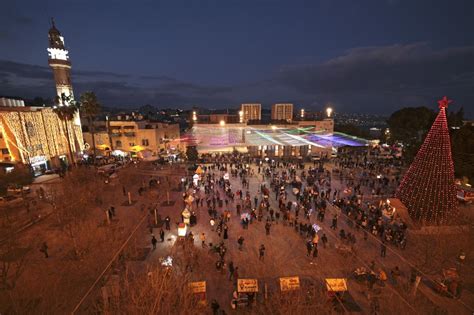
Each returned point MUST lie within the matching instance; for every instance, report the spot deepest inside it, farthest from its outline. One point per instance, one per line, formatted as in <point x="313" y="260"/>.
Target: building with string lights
<point x="35" y="135"/>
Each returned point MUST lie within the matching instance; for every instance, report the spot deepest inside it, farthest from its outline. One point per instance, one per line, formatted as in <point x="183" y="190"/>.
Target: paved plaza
<point x="285" y="254"/>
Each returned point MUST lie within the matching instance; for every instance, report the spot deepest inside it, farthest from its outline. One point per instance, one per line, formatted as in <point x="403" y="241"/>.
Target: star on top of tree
<point x="444" y="102"/>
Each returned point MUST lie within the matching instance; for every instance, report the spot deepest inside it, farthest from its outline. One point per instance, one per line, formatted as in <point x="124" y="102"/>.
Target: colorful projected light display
<point x="219" y="137"/>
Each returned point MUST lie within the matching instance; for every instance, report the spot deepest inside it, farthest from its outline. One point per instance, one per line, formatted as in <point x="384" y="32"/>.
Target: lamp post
<point x="329" y="112"/>
<point x="222" y="123"/>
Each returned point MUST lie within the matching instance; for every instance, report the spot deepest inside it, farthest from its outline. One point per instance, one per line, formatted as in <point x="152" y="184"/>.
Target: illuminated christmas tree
<point x="428" y="189"/>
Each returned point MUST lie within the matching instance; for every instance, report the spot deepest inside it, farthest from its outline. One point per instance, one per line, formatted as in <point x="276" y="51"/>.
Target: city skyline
<point x="372" y="71"/>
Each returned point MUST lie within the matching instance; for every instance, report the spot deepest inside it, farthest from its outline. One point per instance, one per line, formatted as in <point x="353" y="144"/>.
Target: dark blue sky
<point x="370" y="56"/>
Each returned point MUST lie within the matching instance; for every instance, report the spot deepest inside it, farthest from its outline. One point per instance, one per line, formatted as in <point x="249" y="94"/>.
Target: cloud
<point x="191" y="88"/>
<point x="87" y="73"/>
<point x="157" y="78"/>
<point x="388" y="76"/>
<point x="22" y="70"/>
<point x="364" y="79"/>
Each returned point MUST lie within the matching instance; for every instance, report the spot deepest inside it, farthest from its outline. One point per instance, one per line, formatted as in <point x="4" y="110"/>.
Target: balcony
<point x="115" y="134"/>
<point x="129" y="134"/>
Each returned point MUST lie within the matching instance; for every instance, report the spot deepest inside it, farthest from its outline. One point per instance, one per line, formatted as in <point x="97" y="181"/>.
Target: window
<point x="145" y="142"/>
<point x="5" y="151"/>
<point x="118" y="143"/>
<point x="132" y="144"/>
<point x="1" y="135"/>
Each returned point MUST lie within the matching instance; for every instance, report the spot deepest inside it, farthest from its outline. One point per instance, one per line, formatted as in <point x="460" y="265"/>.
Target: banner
<point x="198" y="287"/>
<point x="247" y="285"/>
<point x="289" y="283"/>
<point x="336" y="284"/>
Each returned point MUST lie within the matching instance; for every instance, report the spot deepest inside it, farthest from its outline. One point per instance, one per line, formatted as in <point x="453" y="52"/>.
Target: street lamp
<point x="274" y="127"/>
<point x="302" y="113"/>
<point x="329" y="112"/>
<point x="194" y="115"/>
<point x="222" y="123"/>
<point x="241" y="116"/>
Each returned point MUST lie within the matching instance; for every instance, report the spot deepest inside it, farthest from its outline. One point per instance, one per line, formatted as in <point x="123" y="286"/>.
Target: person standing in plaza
<point x="324" y="239"/>
<point x="315" y="251"/>
<point x="334" y="222"/>
<point x="226" y="233"/>
<point x="267" y="227"/>
<point x="261" y="252"/>
<point x="309" y="247"/>
<point x="240" y="241"/>
<point x="235" y="275"/>
<point x="167" y="222"/>
<point x="162" y="235"/>
<point x="215" y="307"/>
<point x="154" y="241"/>
<point x="44" y="249"/>
<point x="383" y="250"/>
<point x="231" y="270"/>
<point x="315" y="240"/>
<point x="203" y="239"/>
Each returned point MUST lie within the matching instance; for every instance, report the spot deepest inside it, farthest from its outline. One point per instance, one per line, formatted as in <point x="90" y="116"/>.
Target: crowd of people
<point x="305" y="200"/>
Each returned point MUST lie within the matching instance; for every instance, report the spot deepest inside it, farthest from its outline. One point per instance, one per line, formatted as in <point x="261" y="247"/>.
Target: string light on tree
<point x="427" y="189"/>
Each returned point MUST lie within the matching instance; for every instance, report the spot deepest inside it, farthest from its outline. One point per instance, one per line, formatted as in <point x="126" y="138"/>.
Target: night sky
<point x="362" y="56"/>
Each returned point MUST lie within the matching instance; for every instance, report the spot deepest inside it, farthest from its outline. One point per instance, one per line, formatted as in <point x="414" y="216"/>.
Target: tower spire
<point x="59" y="61"/>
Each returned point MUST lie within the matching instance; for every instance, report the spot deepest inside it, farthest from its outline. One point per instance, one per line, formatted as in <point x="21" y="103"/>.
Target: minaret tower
<point x="59" y="61"/>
